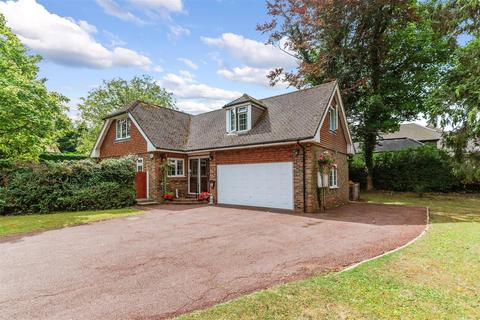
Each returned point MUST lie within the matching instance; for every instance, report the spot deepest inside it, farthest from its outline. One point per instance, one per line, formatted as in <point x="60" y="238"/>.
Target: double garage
<point x="257" y="184"/>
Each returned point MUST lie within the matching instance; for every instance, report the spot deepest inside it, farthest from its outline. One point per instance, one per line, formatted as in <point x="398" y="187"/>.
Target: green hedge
<point x="419" y="170"/>
<point x="67" y="186"/>
<point x="57" y="157"/>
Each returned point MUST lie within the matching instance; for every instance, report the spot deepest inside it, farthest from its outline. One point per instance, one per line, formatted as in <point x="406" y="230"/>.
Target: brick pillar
<point x="298" y="179"/>
<point x="213" y="175"/>
<point x="152" y="163"/>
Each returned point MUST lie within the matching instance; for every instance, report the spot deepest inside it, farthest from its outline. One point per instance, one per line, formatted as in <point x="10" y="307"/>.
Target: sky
<point x="207" y="52"/>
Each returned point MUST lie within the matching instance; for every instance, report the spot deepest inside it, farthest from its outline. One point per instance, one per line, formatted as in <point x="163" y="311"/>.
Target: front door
<point x="198" y="172"/>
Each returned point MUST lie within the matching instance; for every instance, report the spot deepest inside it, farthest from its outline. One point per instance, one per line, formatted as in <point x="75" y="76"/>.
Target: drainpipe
<point x="303" y="178"/>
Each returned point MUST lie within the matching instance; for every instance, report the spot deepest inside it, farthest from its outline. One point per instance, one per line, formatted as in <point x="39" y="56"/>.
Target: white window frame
<point x="122" y="127"/>
<point x="333" y="119"/>
<point x="333" y="178"/>
<point x="174" y="162"/>
<point x="234" y="114"/>
<point x="140" y="166"/>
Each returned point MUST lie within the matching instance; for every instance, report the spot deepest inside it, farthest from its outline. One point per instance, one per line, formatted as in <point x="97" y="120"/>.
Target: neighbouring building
<point x="260" y="153"/>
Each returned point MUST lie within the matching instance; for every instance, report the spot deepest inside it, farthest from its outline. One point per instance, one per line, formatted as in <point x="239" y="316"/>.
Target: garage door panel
<point x="260" y="184"/>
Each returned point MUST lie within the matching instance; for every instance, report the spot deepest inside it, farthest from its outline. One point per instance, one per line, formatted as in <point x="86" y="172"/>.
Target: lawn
<point x="11" y="225"/>
<point x="437" y="277"/>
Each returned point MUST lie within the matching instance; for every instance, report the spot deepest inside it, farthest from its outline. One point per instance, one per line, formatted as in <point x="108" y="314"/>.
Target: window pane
<point x="242" y="121"/>
<point x="180" y="167"/>
<point x="171" y="168"/>
<point x="232" y="120"/>
<point x="128" y="125"/>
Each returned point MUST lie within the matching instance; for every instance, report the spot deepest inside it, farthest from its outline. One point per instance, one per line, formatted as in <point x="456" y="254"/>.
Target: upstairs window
<point x="123" y="129"/>
<point x="238" y="119"/>
<point x="333" y="119"/>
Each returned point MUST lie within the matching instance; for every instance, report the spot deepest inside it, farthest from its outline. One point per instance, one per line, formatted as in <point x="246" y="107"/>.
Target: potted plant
<point x="203" y="196"/>
<point x="168" y="196"/>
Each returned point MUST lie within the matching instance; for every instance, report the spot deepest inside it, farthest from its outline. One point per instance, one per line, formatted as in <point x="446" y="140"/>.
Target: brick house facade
<point x="201" y="166"/>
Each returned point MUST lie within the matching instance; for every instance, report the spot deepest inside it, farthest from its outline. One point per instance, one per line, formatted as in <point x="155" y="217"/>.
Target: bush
<point x="58" y="157"/>
<point x="69" y="186"/>
<point x="419" y="170"/>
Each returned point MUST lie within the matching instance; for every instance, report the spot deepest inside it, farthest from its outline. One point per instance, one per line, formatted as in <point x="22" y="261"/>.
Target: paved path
<point x="167" y="262"/>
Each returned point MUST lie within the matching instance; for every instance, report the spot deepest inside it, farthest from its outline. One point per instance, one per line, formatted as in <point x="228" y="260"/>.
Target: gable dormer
<point x="241" y="114"/>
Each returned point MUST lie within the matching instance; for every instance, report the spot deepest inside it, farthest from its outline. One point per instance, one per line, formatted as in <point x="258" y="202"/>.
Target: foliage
<point x="68" y="142"/>
<point x="168" y="195"/>
<point x="70" y="186"/>
<point x="56" y="157"/>
<point x="420" y="170"/>
<point x="434" y="278"/>
<point x="30" y="115"/>
<point x="11" y="225"/>
<point x="324" y="160"/>
<point x="385" y="56"/>
<point x="113" y="95"/>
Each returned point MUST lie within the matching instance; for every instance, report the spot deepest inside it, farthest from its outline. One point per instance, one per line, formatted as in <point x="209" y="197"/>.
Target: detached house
<point x="260" y="153"/>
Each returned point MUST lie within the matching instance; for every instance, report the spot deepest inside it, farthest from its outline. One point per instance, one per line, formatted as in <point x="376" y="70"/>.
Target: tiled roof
<point x="288" y="117"/>
<point x="244" y="99"/>
<point x="415" y="131"/>
<point x="386" y="145"/>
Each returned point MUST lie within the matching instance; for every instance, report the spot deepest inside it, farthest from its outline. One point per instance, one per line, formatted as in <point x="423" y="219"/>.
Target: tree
<point x="456" y="101"/>
<point x="30" y="115"/>
<point x="113" y="95"/>
<point x="70" y="139"/>
<point x="383" y="53"/>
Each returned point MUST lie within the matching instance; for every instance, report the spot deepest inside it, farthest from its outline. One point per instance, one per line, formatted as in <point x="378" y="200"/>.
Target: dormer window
<point x="123" y="129"/>
<point x="238" y="119"/>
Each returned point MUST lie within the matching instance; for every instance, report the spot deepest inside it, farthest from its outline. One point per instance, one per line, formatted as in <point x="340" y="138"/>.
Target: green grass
<point x="11" y="225"/>
<point x="437" y="277"/>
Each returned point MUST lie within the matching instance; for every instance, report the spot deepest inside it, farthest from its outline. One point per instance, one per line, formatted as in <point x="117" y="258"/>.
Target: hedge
<point x="56" y="157"/>
<point x="67" y="186"/>
<point x="419" y="170"/>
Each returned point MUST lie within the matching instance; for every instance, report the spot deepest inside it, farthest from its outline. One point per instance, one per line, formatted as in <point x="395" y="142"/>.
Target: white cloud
<point x="63" y="40"/>
<point x="169" y="5"/>
<point x="177" y="31"/>
<point x="158" y="69"/>
<point x="252" y="53"/>
<point x="112" y="8"/>
<point x="249" y="75"/>
<point x="193" y="96"/>
<point x="188" y="63"/>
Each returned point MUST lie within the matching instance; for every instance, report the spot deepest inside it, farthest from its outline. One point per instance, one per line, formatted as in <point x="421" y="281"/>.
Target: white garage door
<point x="260" y="184"/>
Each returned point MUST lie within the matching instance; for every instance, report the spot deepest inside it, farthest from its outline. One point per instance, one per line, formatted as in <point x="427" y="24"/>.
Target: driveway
<point x="173" y="260"/>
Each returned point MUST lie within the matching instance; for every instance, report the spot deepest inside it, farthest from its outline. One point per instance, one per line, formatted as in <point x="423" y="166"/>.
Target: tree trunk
<point x="369" y="142"/>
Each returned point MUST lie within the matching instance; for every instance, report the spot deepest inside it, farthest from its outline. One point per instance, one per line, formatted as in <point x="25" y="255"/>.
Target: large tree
<point x="30" y="115"/>
<point x="113" y="95"/>
<point x="384" y="54"/>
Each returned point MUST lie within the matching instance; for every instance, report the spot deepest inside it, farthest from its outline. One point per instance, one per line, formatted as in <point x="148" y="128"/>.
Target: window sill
<point x="122" y="139"/>
<point x="175" y="176"/>
<point x="332" y="131"/>
<point x="334" y="187"/>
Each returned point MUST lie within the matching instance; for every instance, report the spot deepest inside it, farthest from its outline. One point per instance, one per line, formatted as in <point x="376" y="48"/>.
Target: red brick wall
<point x="136" y="144"/>
<point x="336" y="141"/>
<point x="180" y="183"/>
<point x="255" y="155"/>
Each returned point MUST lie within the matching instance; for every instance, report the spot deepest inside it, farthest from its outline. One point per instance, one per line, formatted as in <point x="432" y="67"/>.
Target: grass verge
<point x="437" y="277"/>
<point x="12" y="225"/>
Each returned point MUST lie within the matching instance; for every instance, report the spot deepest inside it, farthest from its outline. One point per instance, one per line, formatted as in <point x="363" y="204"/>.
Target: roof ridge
<point x="167" y="108"/>
<point x="299" y="90"/>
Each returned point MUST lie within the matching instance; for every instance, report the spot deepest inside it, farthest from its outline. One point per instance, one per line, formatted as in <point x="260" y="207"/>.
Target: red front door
<point x="141" y="184"/>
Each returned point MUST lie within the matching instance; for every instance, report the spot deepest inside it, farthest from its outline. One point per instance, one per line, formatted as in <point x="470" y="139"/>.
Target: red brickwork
<point x="337" y="140"/>
<point x="110" y="147"/>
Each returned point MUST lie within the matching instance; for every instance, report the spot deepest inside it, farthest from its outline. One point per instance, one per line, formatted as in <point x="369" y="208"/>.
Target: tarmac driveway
<point x="172" y="260"/>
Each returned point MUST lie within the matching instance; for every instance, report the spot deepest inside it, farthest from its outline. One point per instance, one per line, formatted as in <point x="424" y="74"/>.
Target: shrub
<point x="419" y="170"/>
<point x="69" y="186"/>
<point x="58" y="157"/>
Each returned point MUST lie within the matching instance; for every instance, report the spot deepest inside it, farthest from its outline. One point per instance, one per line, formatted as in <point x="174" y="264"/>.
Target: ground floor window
<point x="176" y="168"/>
<point x="333" y="177"/>
<point x="140" y="165"/>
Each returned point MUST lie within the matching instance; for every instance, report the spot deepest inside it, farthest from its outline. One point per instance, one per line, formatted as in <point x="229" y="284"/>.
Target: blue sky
<point x="207" y="52"/>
